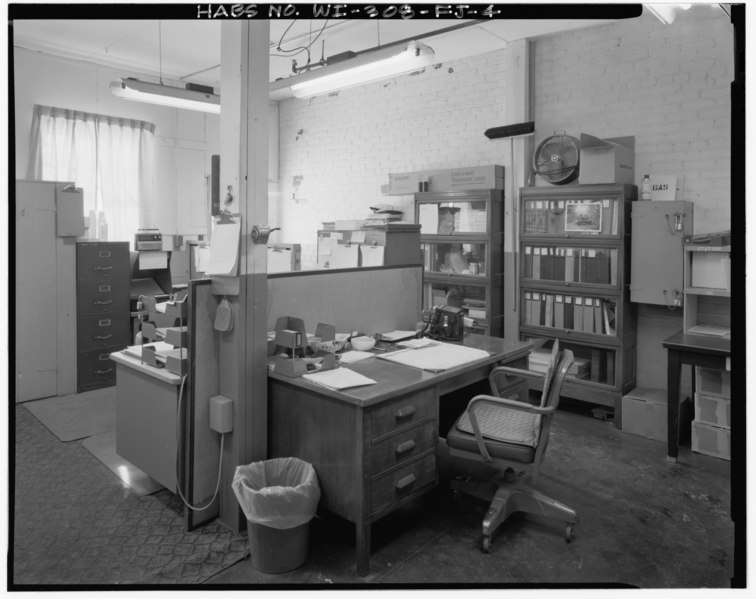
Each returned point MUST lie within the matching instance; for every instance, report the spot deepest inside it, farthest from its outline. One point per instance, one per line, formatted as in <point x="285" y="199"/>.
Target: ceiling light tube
<point x="370" y="66"/>
<point x="176" y="97"/>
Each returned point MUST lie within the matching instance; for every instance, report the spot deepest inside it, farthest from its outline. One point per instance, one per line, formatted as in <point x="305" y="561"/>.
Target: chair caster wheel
<point x="486" y="544"/>
<point x="569" y="533"/>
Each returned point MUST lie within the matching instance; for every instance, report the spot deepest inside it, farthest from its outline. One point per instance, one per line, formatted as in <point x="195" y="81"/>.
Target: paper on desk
<point x="201" y="259"/>
<point x="397" y="335"/>
<point x="441" y="356"/>
<point x="705" y="329"/>
<point x="338" y="378"/>
<point x="150" y="260"/>
<point x="354" y="356"/>
<point x="416" y="343"/>
<point x="161" y="349"/>
<point x="224" y="249"/>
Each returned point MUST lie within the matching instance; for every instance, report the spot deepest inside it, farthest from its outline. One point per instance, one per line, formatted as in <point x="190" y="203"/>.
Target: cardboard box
<point x="453" y="179"/>
<point x="713" y="410"/>
<point x="644" y="413"/>
<point x="610" y="160"/>
<point x="710" y="440"/>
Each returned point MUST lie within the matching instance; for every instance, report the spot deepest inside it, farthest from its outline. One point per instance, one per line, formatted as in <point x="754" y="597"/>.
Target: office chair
<point x="502" y="442"/>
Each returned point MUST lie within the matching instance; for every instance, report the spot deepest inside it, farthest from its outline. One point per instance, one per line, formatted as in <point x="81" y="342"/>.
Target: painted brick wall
<point x="342" y="147"/>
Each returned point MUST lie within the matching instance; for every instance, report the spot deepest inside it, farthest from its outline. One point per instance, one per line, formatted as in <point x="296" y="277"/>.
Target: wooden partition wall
<point x="369" y="300"/>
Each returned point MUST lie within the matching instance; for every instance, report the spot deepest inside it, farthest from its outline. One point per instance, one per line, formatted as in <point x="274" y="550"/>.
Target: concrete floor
<point x="645" y="523"/>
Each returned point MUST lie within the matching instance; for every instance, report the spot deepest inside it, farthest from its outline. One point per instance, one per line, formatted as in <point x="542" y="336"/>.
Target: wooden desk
<point x="697" y="350"/>
<point x="373" y="447"/>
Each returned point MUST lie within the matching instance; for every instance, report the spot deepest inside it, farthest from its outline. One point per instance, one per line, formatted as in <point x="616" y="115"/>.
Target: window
<point x="110" y="158"/>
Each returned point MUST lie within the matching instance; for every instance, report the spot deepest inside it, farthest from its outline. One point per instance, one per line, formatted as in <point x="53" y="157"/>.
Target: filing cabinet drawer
<point x="96" y="369"/>
<point x="403" y="447"/>
<point x="103" y="330"/>
<point x="103" y="261"/>
<point x="373" y="237"/>
<point x="402" y="412"/>
<point x="386" y="491"/>
<point x="97" y="297"/>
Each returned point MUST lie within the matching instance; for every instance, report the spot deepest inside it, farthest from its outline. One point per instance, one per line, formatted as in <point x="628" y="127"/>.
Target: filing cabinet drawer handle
<point x="102" y="303"/>
<point x="101" y="337"/>
<point x="102" y="268"/>
<point x="109" y="370"/>
<point x="406" y="446"/>
<point x="405" y="482"/>
<point x="405" y="412"/>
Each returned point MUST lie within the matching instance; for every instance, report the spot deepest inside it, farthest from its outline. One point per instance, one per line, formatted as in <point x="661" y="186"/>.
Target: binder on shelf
<point x="608" y="222"/>
<point x="537" y="309"/>
<point x="602" y="262"/>
<point x="596" y="365"/>
<point x="559" y="311"/>
<point x="569" y="313"/>
<point x="588" y="315"/>
<point x="559" y="264"/>
<point x="608" y="318"/>
<point x="528" y="268"/>
<point x="569" y="265"/>
<point x="578" y="268"/>
<point x="548" y="318"/>
<point x="591" y="267"/>
<point x="598" y="316"/>
<point x="547" y="260"/>
<point x="536" y="263"/>
<point x="613" y="266"/>
<point x="578" y="314"/>
<point x="528" y="307"/>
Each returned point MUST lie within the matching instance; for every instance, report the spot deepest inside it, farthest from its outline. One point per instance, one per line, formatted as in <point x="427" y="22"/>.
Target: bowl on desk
<point x="363" y="343"/>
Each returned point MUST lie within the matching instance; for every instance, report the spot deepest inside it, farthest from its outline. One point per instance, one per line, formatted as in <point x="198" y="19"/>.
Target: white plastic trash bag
<point x="280" y="493"/>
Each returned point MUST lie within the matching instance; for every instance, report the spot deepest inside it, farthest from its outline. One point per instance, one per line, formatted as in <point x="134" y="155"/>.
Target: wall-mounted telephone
<point x="445" y="323"/>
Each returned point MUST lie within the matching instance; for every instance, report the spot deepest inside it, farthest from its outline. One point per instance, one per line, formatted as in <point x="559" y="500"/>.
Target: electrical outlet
<point x="221" y="414"/>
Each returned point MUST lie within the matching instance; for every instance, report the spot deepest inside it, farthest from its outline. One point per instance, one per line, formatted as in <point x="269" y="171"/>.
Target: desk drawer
<point x="403" y="447"/>
<point x="102" y="260"/>
<point x="386" y="491"/>
<point x="95" y="369"/>
<point x="103" y="330"/>
<point x="402" y="412"/>
<point x="98" y="297"/>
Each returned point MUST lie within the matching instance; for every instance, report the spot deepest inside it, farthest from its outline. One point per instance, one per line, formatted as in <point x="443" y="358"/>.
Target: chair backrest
<point x="558" y="374"/>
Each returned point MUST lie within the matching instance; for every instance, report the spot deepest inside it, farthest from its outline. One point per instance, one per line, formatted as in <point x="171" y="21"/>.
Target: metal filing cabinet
<point x="656" y="266"/>
<point x="102" y="310"/>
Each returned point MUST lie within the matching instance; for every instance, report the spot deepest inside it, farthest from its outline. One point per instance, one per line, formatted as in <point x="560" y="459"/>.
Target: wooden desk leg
<point x="363" y="547"/>
<point x="674" y="367"/>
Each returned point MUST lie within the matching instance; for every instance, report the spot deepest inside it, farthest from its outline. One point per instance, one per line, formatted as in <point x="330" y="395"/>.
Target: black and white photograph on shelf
<point x="376" y="297"/>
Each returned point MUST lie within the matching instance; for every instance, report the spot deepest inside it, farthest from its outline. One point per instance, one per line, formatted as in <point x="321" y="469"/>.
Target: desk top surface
<point x="708" y="344"/>
<point x="395" y="379"/>
<point x="161" y="374"/>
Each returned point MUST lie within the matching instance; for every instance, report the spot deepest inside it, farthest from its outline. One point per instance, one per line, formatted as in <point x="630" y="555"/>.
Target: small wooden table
<point x="697" y="350"/>
<point x="373" y="447"/>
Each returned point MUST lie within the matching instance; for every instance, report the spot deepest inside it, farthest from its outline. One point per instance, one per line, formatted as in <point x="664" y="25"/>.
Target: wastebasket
<point x="279" y="498"/>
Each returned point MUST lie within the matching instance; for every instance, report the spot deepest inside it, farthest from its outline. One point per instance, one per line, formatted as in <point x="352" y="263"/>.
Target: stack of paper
<point x="338" y="378"/>
<point x="436" y="358"/>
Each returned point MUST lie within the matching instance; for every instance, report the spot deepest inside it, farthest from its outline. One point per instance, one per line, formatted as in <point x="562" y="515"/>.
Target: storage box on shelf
<point x="461" y="233"/>
<point x="711" y="428"/>
<point x="574" y="286"/>
<point x="706" y="291"/>
<point x="392" y="244"/>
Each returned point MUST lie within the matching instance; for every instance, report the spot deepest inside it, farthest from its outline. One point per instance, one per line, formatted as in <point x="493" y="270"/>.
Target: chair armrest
<point x="505" y="370"/>
<point x="508" y="403"/>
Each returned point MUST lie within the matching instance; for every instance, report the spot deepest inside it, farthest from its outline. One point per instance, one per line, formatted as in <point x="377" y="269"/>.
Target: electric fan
<point x="557" y="159"/>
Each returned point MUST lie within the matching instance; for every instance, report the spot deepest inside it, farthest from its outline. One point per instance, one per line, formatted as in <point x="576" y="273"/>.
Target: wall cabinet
<point x="462" y="238"/>
<point x="656" y="265"/>
<point x="103" y="283"/>
<point x="574" y="286"/>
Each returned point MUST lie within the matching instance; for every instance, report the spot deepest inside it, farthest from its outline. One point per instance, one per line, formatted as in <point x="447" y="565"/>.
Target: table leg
<point x="363" y="547"/>
<point x="674" y="366"/>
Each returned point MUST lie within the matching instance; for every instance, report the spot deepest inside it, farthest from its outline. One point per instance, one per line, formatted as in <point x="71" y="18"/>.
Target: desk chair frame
<point x="510" y="471"/>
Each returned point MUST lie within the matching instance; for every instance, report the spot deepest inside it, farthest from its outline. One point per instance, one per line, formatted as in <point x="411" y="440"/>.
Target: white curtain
<point x="109" y="158"/>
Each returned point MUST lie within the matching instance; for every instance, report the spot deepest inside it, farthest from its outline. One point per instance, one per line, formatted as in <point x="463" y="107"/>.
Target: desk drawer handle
<point x="406" y="446"/>
<point x="405" y="412"/>
<point x="405" y="482"/>
<point x="102" y="303"/>
<point x="101" y="337"/>
<point x="108" y="371"/>
<point x="102" y="268"/>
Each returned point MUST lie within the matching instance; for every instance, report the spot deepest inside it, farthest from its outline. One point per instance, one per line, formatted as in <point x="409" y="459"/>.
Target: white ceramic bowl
<point x="363" y="343"/>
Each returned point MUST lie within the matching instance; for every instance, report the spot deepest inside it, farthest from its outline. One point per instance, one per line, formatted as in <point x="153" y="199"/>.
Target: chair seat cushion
<point x="509" y="434"/>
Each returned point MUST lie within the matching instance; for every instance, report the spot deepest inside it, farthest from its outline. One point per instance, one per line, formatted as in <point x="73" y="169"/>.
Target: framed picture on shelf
<point x="582" y="217"/>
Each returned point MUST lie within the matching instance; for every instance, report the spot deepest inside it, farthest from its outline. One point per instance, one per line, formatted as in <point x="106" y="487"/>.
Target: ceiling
<point x="189" y="50"/>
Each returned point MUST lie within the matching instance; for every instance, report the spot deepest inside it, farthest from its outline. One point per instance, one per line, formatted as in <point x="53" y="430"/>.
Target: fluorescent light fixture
<point x="193" y="97"/>
<point x="666" y="13"/>
<point x="364" y="68"/>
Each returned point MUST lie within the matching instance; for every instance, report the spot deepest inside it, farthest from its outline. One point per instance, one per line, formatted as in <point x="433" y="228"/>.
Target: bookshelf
<point x="574" y="286"/>
<point x="462" y="239"/>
